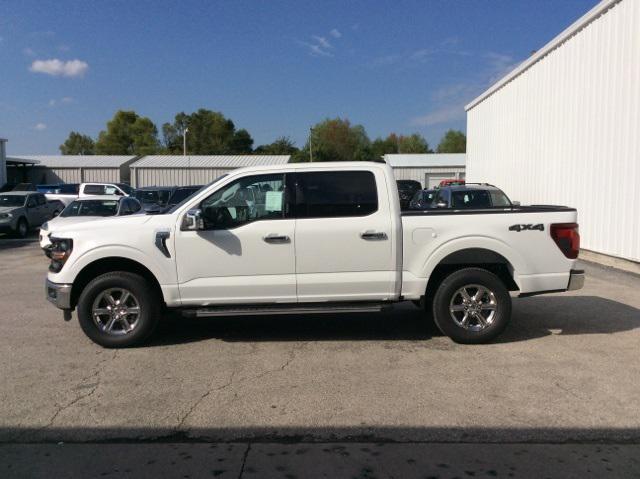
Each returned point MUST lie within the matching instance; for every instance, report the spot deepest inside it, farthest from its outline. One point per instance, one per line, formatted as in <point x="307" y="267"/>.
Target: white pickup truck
<point x="68" y="193"/>
<point x="314" y="237"/>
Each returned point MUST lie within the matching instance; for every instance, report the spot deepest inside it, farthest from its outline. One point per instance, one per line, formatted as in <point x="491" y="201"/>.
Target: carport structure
<point x="79" y="168"/>
<point x="174" y="170"/>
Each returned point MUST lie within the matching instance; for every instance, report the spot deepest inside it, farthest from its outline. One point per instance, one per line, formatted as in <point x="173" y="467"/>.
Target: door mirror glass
<point x="192" y="221"/>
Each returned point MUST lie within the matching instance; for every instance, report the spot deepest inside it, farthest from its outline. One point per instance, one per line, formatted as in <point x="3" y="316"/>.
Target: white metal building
<point x="3" y="161"/>
<point x="172" y="170"/>
<point x="427" y="168"/>
<point x="80" y="168"/>
<point x="564" y="128"/>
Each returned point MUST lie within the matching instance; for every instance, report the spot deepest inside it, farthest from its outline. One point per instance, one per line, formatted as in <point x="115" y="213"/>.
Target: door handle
<point x="373" y="235"/>
<point x="275" y="238"/>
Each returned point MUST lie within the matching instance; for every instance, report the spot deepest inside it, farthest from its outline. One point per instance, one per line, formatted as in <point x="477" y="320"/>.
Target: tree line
<point x="211" y="133"/>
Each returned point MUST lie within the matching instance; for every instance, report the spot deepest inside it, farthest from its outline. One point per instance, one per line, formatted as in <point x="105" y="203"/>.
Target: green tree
<point x="393" y="143"/>
<point x="414" y="143"/>
<point x="453" y="141"/>
<point x="336" y="140"/>
<point x="282" y="146"/>
<point x="128" y="134"/>
<point x="210" y="133"/>
<point x="77" y="144"/>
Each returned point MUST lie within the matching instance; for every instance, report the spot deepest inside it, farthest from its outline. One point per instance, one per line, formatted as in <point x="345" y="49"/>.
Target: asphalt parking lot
<point x="341" y="392"/>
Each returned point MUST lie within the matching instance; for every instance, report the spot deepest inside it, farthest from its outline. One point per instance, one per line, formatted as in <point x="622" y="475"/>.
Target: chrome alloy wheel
<point x="116" y="311"/>
<point x="473" y="307"/>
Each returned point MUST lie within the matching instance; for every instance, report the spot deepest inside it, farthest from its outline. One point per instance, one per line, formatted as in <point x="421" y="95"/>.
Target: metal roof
<point x="13" y="159"/>
<point x="209" y="161"/>
<point x="80" y="161"/>
<point x="425" y="160"/>
<point x="558" y="41"/>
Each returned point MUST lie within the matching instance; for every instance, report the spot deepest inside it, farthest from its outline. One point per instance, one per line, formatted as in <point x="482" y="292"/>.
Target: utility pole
<point x="311" y="144"/>
<point x="184" y="142"/>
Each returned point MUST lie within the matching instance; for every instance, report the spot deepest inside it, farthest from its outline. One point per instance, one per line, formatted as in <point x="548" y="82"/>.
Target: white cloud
<point x="55" y="67"/>
<point x="40" y="127"/>
<point x="441" y="115"/>
<point x="335" y="33"/>
<point x="65" y="100"/>
<point x="322" y="42"/>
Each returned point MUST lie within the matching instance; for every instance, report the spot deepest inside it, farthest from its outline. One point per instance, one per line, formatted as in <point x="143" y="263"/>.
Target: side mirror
<point x="192" y="221"/>
<point x="441" y="204"/>
<point x="515" y="203"/>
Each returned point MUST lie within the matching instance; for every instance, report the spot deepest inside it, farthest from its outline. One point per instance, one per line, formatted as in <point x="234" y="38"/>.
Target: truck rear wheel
<point x="472" y="306"/>
<point x="22" y="228"/>
<point x="118" y="309"/>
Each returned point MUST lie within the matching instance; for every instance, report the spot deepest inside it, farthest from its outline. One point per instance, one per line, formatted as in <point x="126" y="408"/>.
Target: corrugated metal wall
<point x="101" y="175"/>
<point x="44" y="175"/>
<point x="419" y="174"/>
<point x="567" y="131"/>
<point x="175" y="176"/>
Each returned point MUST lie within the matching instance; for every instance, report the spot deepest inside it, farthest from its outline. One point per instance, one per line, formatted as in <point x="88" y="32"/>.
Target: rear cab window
<point x="330" y="194"/>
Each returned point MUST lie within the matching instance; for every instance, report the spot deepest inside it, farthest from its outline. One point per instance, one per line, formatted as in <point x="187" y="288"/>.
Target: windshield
<point x="126" y="188"/>
<point x="182" y="194"/>
<point x="175" y="207"/>
<point x="160" y="197"/>
<point x="408" y="185"/>
<point x="11" y="200"/>
<point x="91" y="208"/>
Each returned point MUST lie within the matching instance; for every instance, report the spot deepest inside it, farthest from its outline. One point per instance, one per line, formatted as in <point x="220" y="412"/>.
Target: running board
<point x="298" y="308"/>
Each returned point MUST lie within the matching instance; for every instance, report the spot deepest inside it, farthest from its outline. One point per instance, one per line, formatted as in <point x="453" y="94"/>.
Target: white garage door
<point x="431" y="180"/>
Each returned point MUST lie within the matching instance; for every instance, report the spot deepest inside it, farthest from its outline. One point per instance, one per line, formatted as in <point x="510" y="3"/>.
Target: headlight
<point x="5" y="215"/>
<point x="45" y="226"/>
<point x="59" y="253"/>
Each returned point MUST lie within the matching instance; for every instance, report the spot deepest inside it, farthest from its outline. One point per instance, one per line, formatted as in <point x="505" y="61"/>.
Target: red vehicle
<point x="451" y="183"/>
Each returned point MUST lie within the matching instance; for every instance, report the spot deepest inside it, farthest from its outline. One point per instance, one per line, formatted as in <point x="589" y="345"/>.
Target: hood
<point x="60" y="222"/>
<point x="95" y="224"/>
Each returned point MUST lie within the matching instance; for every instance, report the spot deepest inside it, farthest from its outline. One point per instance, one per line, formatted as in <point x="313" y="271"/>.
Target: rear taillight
<point x="567" y="238"/>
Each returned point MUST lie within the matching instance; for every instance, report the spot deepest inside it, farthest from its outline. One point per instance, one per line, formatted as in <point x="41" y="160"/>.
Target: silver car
<point x="21" y="211"/>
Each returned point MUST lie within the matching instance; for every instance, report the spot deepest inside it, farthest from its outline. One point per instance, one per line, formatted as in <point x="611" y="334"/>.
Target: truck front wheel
<point x="118" y="309"/>
<point x="472" y="306"/>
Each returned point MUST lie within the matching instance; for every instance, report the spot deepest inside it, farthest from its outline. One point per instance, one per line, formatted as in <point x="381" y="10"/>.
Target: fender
<point x="164" y="273"/>
<point x="516" y="261"/>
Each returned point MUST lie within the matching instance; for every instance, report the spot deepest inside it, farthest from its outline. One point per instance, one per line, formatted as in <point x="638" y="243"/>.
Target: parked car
<point x="324" y="237"/>
<point x="154" y="199"/>
<point x="452" y="182"/>
<point x="423" y="200"/>
<point x="69" y="192"/>
<point x="181" y="193"/>
<point x="471" y="196"/>
<point x="21" y="211"/>
<point x="88" y="209"/>
<point x="407" y="189"/>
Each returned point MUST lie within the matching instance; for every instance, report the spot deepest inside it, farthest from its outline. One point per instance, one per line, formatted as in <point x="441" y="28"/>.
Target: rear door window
<point x="470" y="199"/>
<point x="94" y="190"/>
<point x="330" y="194"/>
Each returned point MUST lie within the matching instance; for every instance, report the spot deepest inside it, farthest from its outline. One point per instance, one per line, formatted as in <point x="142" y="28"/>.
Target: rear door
<point x="343" y="236"/>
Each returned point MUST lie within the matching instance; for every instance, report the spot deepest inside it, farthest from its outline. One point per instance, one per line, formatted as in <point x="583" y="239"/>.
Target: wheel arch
<point x="108" y="265"/>
<point x="484" y="258"/>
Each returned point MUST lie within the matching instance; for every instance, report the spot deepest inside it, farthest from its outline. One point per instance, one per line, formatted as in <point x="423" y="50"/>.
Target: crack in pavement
<point x="230" y="382"/>
<point x="96" y="374"/>
<point x="244" y="460"/>
<point x="202" y="398"/>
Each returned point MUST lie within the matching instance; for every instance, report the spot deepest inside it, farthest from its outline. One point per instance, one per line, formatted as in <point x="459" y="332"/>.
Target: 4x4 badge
<point x="518" y="228"/>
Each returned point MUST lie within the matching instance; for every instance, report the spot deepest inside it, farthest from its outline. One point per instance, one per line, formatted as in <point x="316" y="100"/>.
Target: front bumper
<point x="576" y="279"/>
<point x="58" y="294"/>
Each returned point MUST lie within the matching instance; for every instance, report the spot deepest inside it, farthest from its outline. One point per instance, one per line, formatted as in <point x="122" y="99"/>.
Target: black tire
<point x="145" y="296"/>
<point x="22" y="228"/>
<point x="474" y="331"/>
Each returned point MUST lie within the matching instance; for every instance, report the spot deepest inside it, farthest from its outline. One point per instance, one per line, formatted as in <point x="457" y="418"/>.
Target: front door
<point x="246" y="252"/>
<point x="343" y="237"/>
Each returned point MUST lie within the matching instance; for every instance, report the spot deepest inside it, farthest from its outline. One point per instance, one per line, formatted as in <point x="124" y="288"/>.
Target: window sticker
<point x="273" y="201"/>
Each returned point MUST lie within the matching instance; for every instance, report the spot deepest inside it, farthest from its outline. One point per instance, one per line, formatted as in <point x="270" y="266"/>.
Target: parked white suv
<point x="90" y="189"/>
<point x="314" y="237"/>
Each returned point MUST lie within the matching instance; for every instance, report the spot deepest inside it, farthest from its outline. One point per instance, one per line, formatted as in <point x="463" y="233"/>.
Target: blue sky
<point x="274" y="68"/>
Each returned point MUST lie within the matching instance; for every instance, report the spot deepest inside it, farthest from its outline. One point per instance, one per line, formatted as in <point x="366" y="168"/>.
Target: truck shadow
<point x="532" y="318"/>
<point x="11" y="242"/>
